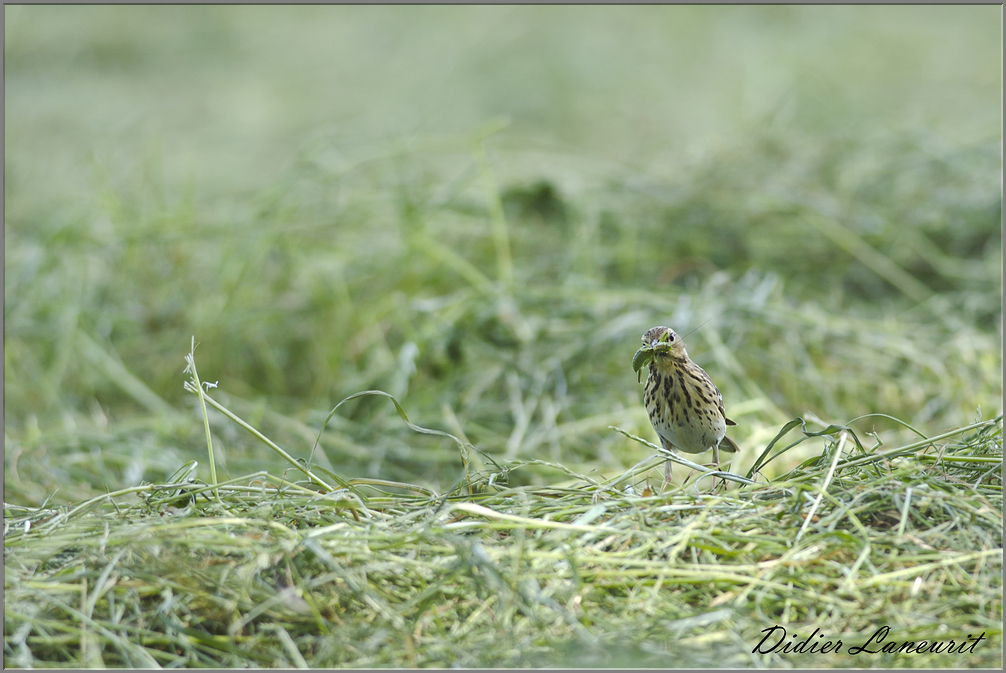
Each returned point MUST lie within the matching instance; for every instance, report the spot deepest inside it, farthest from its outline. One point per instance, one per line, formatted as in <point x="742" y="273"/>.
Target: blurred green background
<point x="479" y="210"/>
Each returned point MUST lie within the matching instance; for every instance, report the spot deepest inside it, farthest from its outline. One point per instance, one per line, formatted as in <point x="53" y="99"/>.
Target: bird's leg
<point x="668" y="466"/>
<point x="716" y="460"/>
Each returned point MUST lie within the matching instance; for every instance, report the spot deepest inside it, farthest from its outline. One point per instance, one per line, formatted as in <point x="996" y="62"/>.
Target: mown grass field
<point x="478" y="211"/>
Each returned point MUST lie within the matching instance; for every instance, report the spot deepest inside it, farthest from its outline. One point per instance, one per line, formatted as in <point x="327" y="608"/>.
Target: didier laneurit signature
<point x="775" y="641"/>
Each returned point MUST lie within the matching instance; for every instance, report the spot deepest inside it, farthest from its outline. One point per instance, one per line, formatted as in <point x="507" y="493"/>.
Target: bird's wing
<point x="719" y="398"/>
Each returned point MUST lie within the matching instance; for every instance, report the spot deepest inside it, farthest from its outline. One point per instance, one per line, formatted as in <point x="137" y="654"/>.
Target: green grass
<point x="483" y="231"/>
<point x="266" y="572"/>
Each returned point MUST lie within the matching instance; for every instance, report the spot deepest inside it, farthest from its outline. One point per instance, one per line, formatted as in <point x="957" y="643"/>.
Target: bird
<point x="684" y="405"/>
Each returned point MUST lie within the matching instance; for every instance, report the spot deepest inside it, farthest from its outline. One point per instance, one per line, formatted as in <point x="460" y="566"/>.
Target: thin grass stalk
<point x="190" y="368"/>
<point x="670" y="455"/>
<point x="909" y="448"/>
<point x="262" y="438"/>
<point x="822" y="489"/>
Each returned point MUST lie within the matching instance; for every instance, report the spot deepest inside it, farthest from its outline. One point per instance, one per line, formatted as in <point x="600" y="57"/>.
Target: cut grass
<point x="390" y="548"/>
<point x="834" y="258"/>
<point x="263" y="571"/>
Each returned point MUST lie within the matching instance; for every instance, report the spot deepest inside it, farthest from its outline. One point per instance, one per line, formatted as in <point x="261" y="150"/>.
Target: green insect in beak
<point x="640" y="360"/>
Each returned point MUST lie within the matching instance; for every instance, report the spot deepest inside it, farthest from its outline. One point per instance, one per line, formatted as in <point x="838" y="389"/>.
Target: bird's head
<point x="659" y="343"/>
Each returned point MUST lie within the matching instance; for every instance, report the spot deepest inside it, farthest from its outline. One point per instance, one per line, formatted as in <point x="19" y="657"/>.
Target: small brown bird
<point x="685" y="407"/>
